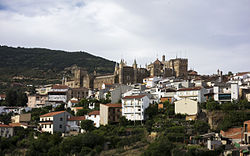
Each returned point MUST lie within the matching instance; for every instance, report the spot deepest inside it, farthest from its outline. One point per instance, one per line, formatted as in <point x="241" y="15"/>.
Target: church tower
<point x="121" y="65"/>
<point x="135" y="71"/>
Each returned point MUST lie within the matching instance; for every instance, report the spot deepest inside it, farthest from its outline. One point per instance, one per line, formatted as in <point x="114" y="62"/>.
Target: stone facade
<point x="175" y="67"/>
<point x="123" y="74"/>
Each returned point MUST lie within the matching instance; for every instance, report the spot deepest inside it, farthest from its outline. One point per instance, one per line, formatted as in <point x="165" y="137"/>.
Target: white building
<point x="95" y="117"/>
<point x="195" y="93"/>
<point x="58" y="94"/>
<point x="186" y="106"/>
<point x="151" y="81"/>
<point x="6" y="131"/>
<point x="54" y="122"/>
<point x="226" y="93"/>
<point x="133" y="107"/>
<point x="74" y="123"/>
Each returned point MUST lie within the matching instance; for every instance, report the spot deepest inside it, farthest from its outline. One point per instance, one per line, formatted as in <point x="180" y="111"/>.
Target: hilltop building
<point x="174" y="67"/>
<point x="124" y="74"/>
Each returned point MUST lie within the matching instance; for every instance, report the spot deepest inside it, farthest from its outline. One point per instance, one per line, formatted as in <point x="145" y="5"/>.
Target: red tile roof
<point x="73" y="101"/>
<point x="76" y="118"/>
<point x="247" y="122"/>
<point x="60" y="87"/>
<point x="243" y="73"/>
<point x="190" y="89"/>
<point x="52" y="114"/>
<point x="6" y="126"/>
<point x="94" y="113"/>
<point x="134" y="97"/>
<point x="3" y="95"/>
<point x="108" y="84"/>
<point x="234" y="133"/>
<point x="18" y="124"/>
<point x="114" y="105"/>
<point x="77" y="107"/>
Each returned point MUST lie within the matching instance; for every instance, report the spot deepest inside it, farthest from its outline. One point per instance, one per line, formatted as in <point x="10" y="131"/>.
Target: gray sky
<point x="212" y="34"/>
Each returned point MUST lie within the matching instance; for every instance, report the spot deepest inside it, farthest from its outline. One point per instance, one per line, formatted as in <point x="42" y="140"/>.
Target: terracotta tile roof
<point x="6" y="126"/>
<point x="52" y="114"/>
<point x="94" y="113"/>
<point x="192" y="73"/>
<point x="3" y="95"/>
<point x="60" y="87"/>
<point x="18" y="124"/>
<point x="134" y="97"/>
<point x="234" y="133"/>
<point x="76" y="118"/>
<point x="242" y="73"/>
<point x="77" y="107"/>
<point x="109" y="84"/>
<point x="247" y="122"/>
<point x="74" y="101"/>
<point x="189" y="89"/>
<point x="114" y="105"/>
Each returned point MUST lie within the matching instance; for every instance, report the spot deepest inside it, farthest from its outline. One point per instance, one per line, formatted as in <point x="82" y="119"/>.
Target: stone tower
<point x="121" y="65"/>
<point x="135" y="71"/>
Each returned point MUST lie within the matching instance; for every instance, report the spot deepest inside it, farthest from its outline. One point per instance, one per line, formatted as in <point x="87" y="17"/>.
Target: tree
<point x="87" y="125"/>
<point x="243" y="104"/>
<point x="212" y="105"/>
<point x="169" y="108"/>
<point x="16" y="98"/>
<point x="11" y="97"/>
<point x="229" y="73"/>
<point x="60" y="107"/>
<point x="201" y="126"/>
<point x="123" y="121"/>
<point x="152" y="110"/>
<point x="228" y="106"/>
<point x="81" y="112"/>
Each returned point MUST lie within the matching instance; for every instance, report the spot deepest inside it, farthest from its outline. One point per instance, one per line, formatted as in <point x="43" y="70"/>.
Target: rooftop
<point x="76" y="118"/>
<point x="94" y="113"/>
<point x="6" y="126"/>
<point x="52" y="114"/>
<point x="190" y="89"/>
<point x="60" y="87"/>
<point x="134" y="97"/>
<point x="114" y="105"/>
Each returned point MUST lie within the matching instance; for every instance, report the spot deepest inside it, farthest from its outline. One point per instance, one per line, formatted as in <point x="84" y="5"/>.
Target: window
<point x="60" y="126"/>
<point x="49" y="126"/>
<point x="61" y="119"/>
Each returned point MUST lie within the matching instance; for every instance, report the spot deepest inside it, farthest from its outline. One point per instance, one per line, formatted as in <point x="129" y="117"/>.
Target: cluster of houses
<point x="131" y="101"/>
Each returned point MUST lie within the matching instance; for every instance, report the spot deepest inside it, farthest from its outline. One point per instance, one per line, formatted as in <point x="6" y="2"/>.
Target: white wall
<point x="186" y="106"/>
<point x="94" y="118"/>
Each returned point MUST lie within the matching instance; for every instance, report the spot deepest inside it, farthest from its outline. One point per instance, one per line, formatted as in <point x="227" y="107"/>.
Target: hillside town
<point x="206" y="113"/>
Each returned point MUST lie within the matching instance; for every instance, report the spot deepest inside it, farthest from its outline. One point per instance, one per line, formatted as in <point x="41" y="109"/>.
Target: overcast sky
<point x="212" y="34"/>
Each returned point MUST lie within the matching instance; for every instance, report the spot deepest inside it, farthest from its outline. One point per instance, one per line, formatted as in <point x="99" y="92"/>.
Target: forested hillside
<point x="45" y="64"/>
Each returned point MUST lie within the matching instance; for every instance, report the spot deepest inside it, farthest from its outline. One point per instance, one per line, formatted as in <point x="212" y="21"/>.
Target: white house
<point x="194" y="93"/>
<point x="74" y="123"/>
<point x="186" y="106"/>
<point x="94" y="116"/>
<point x="6" y="131"/>
<point x="226" y="93"/>
<point x="133" y="107"/>
<point x="151" y="81"/>
<point x="58" y="94"/>
<point x="72" y="102"/>
<point x="54" y="122"/>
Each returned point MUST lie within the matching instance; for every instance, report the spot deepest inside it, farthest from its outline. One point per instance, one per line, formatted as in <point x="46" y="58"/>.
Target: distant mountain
<point x="43" y="63"/>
